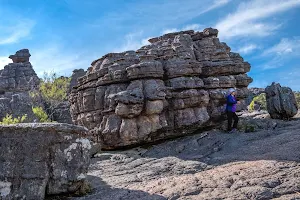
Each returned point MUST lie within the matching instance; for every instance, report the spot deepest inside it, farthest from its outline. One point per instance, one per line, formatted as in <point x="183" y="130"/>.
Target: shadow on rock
<point x="102" y="191"/>
<point x="218" y="148"/>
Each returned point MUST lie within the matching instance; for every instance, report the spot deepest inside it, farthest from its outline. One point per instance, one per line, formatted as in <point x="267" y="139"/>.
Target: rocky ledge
<point x="42" y="159"/>
<point x="207" y="166"/>
<point x="169" y="88"/>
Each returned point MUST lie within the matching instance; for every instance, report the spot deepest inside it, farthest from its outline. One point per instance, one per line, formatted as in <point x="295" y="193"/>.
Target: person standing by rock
<point x="231" y="109"/>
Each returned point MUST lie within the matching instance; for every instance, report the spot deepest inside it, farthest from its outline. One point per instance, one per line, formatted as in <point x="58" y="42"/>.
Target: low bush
<point x="261" y="100"/>
<point x="40" y="114"/>
<point x="9" y="119"/>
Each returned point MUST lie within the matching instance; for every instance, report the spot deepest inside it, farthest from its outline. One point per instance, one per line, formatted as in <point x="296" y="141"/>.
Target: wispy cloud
<point x="4" y="61"/>
<point x="215" y="4"/>
<point x="285" y="46"/>
<point x="133" y="41"/>
<point x="195" y="27"/>
<point x="259" y="83"/>
<point x="247" y="49"/>
<point x="247" y="20"/>
<point x="281" y="54"/>
<point x="51" y="58"/>
<point x="14" y="33"/>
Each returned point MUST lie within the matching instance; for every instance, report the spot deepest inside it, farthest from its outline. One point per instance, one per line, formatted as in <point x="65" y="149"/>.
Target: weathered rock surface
<point x="61" y="113"/>
<point x="253" y="92"/>
<point x="17" y="104"/>
<point x="16" y="80"/>
<point x="210" y="165"/>
<point x="77" y="73"/>
<point x="281" y="102"/>
<point x="42" y="159"/>
<point x="169" y="88"/>
<point x="21" y="56"/>
<point x="19" y="75"/>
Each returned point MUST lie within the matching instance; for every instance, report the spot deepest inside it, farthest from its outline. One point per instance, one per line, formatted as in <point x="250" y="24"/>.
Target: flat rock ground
<point x="210" y="165"/>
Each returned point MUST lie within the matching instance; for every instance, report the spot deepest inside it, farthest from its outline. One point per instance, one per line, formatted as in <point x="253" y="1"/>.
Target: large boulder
<point x="169" y="88"/>
<point x="42" y="159"/>
<point x="281" y="102"/>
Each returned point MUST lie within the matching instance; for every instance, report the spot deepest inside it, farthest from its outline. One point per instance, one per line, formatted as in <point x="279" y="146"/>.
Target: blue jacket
<point x="231" y="103"/>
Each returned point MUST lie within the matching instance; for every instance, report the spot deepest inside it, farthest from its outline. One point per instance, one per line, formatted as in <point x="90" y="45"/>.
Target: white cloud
<point x="195" y="27"/>
<point x="249" y="48"/>
<point x="133" y="41"/>
<point x="259" y="83"/>
<point x="246" y="20"/>
<point x="214" y="5"/>
<point x="281" y="54"/>
<point x="170" y="30"/>
<point x="51" y="58"/>
<point x="14" y="33"/>
<point x="285" y="46"/>
<point x="4" y="61"/>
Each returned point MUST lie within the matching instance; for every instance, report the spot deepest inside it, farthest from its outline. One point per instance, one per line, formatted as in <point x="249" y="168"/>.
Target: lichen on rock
<point x="42" y="159"/>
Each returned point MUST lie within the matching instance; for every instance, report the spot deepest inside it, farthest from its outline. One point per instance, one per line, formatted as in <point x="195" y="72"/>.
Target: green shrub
<point x="40" y="114"/>
<point x="249" y="128"/>
<point x="53" y="88"/>
<point x="9" y="119"/>
<point x="261" y="99"/>
<point x="251" y="106"/>
<point x="297" y="96"/>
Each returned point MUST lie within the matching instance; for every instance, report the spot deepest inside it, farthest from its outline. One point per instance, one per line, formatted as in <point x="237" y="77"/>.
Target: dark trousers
<point x="232" y="116"/>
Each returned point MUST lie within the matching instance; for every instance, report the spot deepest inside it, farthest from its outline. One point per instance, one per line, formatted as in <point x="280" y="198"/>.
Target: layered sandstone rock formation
<point x="19" y="75"/>
<point x="281" y="102"/>
<point x="77" y="73"/>
<point x="16" y="80"/>
<point x="169" y="88"/>
<point x="42" y="159"/>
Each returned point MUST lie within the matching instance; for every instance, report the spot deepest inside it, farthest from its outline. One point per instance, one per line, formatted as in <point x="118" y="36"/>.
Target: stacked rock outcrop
<point x="169" y="88"/>
<point x="77" y="73"/>
<point x="281" y="102"/>
<point x="16" y="80"/>
<point x="18" y="76"/>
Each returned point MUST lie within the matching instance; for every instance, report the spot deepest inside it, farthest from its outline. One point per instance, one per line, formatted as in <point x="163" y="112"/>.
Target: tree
<point x="53" y="90"/>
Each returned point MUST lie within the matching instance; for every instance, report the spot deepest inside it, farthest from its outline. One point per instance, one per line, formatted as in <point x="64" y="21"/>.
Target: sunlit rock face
<point x="171" y="87"/>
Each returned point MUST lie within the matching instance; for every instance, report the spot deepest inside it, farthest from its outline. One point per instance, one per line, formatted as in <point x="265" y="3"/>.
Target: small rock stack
<point x="16" y="80"/>
<point x="19" y="75"/>
<point x="281" y="102"/>
<point x="172" y="87"/>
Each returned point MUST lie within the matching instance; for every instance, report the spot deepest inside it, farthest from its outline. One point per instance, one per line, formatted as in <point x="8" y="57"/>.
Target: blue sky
<point x="63" y="35"/>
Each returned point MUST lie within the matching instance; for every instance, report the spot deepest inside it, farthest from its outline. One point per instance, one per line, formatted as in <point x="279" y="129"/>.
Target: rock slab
<point x="169" y="88"/>
<point x="281" y="102"/>
<point x="205" y="166"/>
<point x="38" y="159"/>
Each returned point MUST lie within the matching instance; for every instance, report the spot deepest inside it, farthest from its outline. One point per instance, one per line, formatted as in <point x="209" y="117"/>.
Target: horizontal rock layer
<point x="39" y="159"/>
<point x="173" y="86"/>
